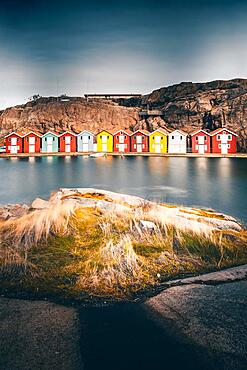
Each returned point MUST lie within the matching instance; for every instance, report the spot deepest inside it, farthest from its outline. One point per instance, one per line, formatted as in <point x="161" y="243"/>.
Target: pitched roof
<point x="164" y="131"/>
<point x="32" y="132"/>
<point x="200" y="130"/>
<point x="85" y="131"/>
<point x="180" y="131"/>
<point x="221" y="129"/>
<point x="128" y="132"/>
<point x="14" y="133"/>
<point x="145" y="132"/>
<point x="109" y="131"/>
<point x="67" y="132"/>
<point x="50" y="132"/>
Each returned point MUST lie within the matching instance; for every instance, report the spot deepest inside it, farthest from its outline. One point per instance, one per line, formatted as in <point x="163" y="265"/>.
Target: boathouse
<point x="158" y="141"/>
<point x="121" y="141"/>
<point x="139" y="141"/>
<point x="177" y="142"/>
<point x="50" y="142"/>
<point x="104" y="141"/>
<point x="32" y="142"/>
<point x="224" y="141"/>
<point x="85" y="141"/>
<point x="201" y="142"/>
<point x="14" y="143"/>
<point x="67" y="142"/>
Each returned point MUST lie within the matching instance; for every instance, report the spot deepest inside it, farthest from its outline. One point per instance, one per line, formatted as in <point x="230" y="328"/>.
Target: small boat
<point x="96" y="155"/>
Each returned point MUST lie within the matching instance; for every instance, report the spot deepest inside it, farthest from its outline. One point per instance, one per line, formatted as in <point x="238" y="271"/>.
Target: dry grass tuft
<point x="110" y="253"/>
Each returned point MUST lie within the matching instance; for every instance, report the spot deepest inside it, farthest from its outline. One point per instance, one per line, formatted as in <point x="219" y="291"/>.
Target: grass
<point x="69" y="251"/>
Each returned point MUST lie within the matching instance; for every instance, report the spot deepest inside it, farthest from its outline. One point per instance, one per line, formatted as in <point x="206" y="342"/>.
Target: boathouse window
<point x="205" y="138"/>
<point x="142" y="138"/>
<point x="172" y="137"/>
<point x="135" y="137"/>
<point x="54" y="139"/>
<point x="196" y="138"/>
<point x="230" y="137"/>
<point x="218" y="137"/>
<point x="181" y="137"/>
<point x="45" y="139"/>
<point x="101" y="137"/>
<point x="88" y="137"/>
<point x="161" y="137"/>
<point x="125" y="137"/>
<point x="228" y="146"/>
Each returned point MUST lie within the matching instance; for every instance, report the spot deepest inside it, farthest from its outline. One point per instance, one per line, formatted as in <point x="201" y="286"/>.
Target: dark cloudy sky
<point x="76" y="46"/>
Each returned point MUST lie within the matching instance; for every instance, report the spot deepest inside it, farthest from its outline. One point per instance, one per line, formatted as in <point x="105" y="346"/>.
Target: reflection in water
<point x="218" y="183"/>
<point x="156" y="166"/>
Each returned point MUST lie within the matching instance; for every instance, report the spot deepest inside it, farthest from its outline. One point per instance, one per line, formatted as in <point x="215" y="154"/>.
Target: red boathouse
<point x="14" y="143"/>
<point x="139" y="141"/>
<point x="224" y="141"/>
<point x="31" y="142"/>
<point x="201" y="142"/>
<point x="67" y="142"/>
<point x="121" y="141"/>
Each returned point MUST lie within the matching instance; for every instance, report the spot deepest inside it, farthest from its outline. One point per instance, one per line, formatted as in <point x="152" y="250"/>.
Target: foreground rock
<point x="189" y="327"/>
<point x="210" y="312"/>
<point x="186" y="217"/>
<point x="38" y="335"/>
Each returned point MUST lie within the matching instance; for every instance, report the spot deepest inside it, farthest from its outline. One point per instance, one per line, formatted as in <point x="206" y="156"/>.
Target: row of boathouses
<point x="220" y="141"/>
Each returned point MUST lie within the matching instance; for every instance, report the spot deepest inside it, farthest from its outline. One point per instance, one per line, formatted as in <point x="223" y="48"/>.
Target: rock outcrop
<point x="194" y="105"/>
<point x="186" y="105"/>
<point x="74" y="114"/>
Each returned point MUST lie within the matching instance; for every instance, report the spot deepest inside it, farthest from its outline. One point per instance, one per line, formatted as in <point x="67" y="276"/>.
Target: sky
<point x="75" y="47"/>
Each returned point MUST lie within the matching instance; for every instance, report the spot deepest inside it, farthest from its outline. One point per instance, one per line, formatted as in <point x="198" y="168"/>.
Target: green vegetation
<point x="71" y="251"/>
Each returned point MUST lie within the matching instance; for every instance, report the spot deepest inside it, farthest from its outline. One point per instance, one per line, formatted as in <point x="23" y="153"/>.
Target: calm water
<point x="219" y="183"/>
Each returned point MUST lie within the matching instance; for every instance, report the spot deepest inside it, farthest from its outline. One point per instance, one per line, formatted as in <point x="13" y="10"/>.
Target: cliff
<point x="186" y="105"/>
<point x="73" y="113"/>
<point x="194" y="105"/>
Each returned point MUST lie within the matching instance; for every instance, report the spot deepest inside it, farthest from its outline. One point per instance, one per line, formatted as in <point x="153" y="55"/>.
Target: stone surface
<point x="192" y="105"/>
<point x="39" y="203"/>
<point x="212" y="317"/>
<point x="77" y="114"/>
<point x="38" y="335"/>
<point x="13" y="211"/>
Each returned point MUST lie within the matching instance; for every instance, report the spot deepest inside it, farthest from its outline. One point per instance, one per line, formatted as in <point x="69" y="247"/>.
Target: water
<point x="218" y="183"/>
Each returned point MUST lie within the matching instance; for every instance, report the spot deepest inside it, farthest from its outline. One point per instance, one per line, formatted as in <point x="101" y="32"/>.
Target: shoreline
<point x="129" y="154"/>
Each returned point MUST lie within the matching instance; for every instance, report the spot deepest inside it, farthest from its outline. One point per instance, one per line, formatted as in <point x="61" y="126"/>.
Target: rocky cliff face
<point x="74" y="114"/>
<point x="194" y="105"/>
<point x="186" y="105"/>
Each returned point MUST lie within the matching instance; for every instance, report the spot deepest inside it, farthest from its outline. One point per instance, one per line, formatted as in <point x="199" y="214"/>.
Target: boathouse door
<point x="104" y="143"/>
<point x="85" y="146"/>
<point x="121" y="147"/>
<point x="139" y="148"/>
<point x="31" y="144"/>
<point x="224" y="145"/>
<point x="201" y="149"/>
<point x="157" y="144"/>
<point x="13" y="147"/>
<point x="67" y="144"/>
<point x="49" y="144"/>
<point x="224" y="148"/>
